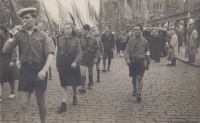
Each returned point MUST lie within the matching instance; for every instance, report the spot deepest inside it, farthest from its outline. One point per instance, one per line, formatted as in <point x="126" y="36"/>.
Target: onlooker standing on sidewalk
<point x="8" y="69"/>
<point x="136" y="53"/>
<point x="122" y="44"/>
<point x="179" y="34"/>
<point x="192" y="51"/>
<point x="36" y="56"/>
<point x="108" y="41"/>
<point x="157" y="46"/>
<point x="174" y="44"/>
<point x="67" y="61"/>
<point x="169" y="54"/>
<point x="90" y="54"/>
<point x="117" y="38"/>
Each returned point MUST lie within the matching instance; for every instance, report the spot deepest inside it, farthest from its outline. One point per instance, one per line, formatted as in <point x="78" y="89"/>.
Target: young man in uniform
<point x="136" y="53"/>
<point x="90" y="54"/>
<point x="36" y="55"/>
<point x="108" y="41"/>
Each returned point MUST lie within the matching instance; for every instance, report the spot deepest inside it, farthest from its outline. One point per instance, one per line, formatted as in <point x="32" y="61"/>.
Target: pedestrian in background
<point x="157" y="46"/>
<point x="192" y="51"/>
<point x="8" y="68"/>
<point x="67" y="62"/>
<point x="122" y="45"/>
<point x="136" y="53"/>
<point x="174" y="44"/>
<point x="90" y="55"/>
<point x="169" y="54"/>
<point x="117" y="38"/>
<point x="108" y="41"/>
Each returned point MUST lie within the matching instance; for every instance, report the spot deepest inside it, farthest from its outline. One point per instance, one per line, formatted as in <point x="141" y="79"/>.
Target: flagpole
<point x="46" y="14"/>
<point x="76" y="14"/>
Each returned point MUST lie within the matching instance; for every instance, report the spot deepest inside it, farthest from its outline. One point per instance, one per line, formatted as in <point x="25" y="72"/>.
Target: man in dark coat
<point x="108" y="41"/>
<point x="157" y="47"/>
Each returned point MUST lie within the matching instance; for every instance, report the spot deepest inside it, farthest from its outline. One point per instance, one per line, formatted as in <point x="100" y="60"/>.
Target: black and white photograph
<point x="100" y="61"/>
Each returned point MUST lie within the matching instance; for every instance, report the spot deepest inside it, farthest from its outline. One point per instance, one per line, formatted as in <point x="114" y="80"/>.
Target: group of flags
<point x="76" y="16"/>
<point x="120" y="12"/>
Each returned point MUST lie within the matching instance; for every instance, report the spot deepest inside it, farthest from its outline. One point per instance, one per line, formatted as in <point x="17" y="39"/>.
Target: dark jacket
<point x="90" y="47"/>
<point x="69" y="46"/>
<point x="108" y="41"/>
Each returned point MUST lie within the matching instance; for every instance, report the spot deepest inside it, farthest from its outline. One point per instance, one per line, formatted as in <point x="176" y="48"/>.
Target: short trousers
<point x="87" y="62"/>
<point x="28" y="81"/>
<point x="137" y="68"/>
<point x="107" y="54"/>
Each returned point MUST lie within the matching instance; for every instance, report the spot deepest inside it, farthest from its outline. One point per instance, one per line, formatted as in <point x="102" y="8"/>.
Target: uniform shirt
<point x="34" y="47"/>
<point x="69" y="46"/>
<point x="90" y="44"/>
<point x="139" y="50"/>
<point x="108" y="41"/>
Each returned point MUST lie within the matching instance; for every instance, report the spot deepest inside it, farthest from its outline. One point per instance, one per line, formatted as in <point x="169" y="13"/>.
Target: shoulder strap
<point x="134" y="43"/>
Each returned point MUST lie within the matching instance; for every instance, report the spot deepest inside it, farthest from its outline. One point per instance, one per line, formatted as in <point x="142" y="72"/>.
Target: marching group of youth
<point x="36" y="53"/>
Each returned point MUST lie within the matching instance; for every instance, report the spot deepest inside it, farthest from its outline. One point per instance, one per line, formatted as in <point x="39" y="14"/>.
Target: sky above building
<point x="52" y="6"/>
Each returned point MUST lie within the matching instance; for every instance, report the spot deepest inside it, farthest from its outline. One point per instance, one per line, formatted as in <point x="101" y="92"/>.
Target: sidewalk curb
<point x="194" y="65"/>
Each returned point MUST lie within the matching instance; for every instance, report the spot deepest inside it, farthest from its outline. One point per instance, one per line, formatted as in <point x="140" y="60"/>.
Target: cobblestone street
<point x="170" y="94"/>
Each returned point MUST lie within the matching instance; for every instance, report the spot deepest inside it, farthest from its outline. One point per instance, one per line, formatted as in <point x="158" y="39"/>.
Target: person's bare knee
<point x="24" y="106"/>
<point x="40" y="99"/>
<point x="24" y="99"/>
<point x="139" y="78"/>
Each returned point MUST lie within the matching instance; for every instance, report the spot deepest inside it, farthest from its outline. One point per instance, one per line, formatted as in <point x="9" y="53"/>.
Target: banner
<point x="128" y="11"/>
<point x="63" y="14"/>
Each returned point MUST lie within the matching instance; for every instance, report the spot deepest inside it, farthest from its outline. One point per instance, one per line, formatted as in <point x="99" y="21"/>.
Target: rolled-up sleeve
<point x="8" y="46"/>
<point x="48" y="46"/>
<point x="78" y="52"/>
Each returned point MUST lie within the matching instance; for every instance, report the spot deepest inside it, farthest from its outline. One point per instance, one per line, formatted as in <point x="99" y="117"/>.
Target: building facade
<point x="157" y="8"/>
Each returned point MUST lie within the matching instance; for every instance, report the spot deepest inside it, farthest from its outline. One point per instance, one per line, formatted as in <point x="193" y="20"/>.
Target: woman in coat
<point x="9" y="71"/>
<point x="174" y="44"/>
<point x="68" y="56"/>
<point x="192" y="51"/>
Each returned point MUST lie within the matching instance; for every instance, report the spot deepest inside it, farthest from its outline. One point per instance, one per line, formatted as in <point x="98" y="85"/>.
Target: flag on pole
<point x="128" y="11"/>
<point x="72" y="18"/>
<point x="121" y="13"/>
<point x="96" y="17"/>
<point x="87" y="11"/>
<point x="44" y="16"/>
<point x="3" y="15"/>
<point x="144" y="11"/>
<point x="16" y="6"/>
<point x="90" y="12"/>
<point x="79" y="14"/>
<point x="63" y="13"/>
<point x="78" y="25"/>
<point x="111" y="11"/>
